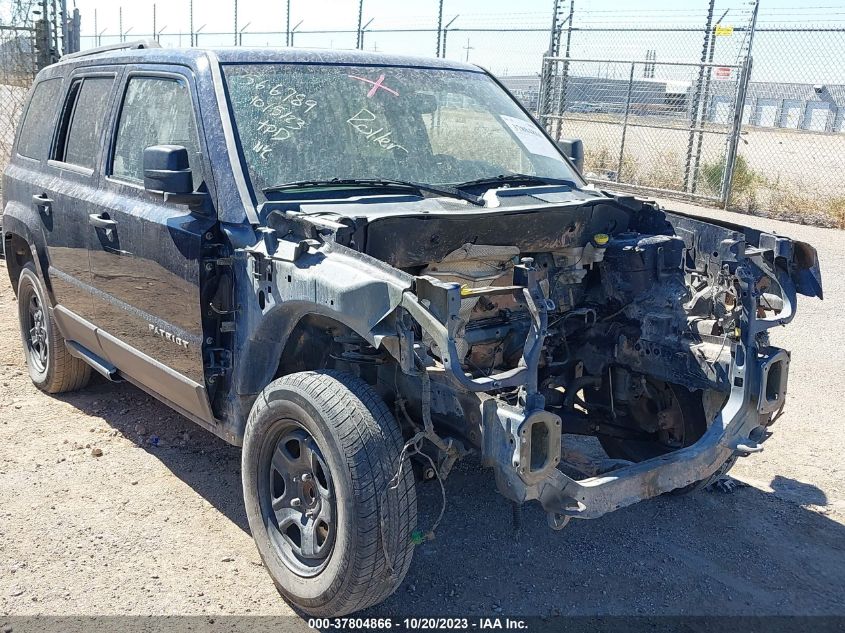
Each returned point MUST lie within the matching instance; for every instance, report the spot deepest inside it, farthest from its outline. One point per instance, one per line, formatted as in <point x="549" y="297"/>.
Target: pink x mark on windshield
<point x="378" y="83"/>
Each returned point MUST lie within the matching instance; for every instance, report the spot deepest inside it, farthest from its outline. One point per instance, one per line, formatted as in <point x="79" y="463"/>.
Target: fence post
<point x="699" y="143"/>
<point x="360" y="43"/>
<point x="739" y="104"/>
<point x="440" y="28"/>
<point x="544" y="98"/>
<point x="733" y="137"/>
<point x="625" y="122"/>
<point x="697" y="118"/>
<point x="564" y="78"/>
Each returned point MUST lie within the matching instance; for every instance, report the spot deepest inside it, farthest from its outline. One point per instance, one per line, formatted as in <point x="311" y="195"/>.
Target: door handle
<point x="41" y="201"/>
<point x="102" y="221"/>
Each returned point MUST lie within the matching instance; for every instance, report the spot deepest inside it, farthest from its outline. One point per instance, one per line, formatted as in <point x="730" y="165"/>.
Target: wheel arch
<point x="22" y="243"/>
<point x="292" y="337"/>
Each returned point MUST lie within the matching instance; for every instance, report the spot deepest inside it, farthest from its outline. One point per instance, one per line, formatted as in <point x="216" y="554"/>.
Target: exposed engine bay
<point x="605" y="317"/>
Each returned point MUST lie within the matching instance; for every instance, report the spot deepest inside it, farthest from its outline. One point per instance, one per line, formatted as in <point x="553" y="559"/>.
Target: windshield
<point x="299" y="122"/>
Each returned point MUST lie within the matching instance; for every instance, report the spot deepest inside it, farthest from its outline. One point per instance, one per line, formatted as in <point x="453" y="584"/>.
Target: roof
<point x="265" y="55"/>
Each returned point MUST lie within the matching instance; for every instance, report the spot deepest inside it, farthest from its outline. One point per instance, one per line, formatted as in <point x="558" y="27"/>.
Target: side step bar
<point x="101" y="366"/>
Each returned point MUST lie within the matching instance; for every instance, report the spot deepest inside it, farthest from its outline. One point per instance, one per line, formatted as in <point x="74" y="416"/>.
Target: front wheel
<point x="331" y="521"/>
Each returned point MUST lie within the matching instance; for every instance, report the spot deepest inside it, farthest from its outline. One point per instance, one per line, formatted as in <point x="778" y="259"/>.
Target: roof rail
<point x="134" y="45"/>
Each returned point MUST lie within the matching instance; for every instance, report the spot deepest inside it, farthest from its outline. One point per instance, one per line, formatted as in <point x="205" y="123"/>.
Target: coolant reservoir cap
<point x="601" y="239"/>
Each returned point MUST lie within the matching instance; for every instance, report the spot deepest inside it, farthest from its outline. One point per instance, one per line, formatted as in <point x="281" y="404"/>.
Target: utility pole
<point x="96" y="28"/>
<point x="235" y="31"/>
<point x="439" y="28"/>
<point x="468" y="48"/>
<point x="191" y="20"/>
<point x="120" y="22"/>
<point x="741" y="96"/>
<point x="74" y="27"/>
<point x="155" y="31"/>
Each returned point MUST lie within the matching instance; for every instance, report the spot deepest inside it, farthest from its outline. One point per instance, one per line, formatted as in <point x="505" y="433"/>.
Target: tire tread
<point x="65" y="372"/>
<point x="371" y="441"/>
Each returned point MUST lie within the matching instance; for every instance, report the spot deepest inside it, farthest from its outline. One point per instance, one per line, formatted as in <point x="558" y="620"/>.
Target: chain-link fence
<point x="33" y="34"/>
<point x="747" y="109"/>
<point x="505" y="51"/>
<point x="722" y="100"/>
<point x="643" y="132"/>
<point x="17" y="70"/>
<point x="791" y="156"/>
<point x="641" y="96"/>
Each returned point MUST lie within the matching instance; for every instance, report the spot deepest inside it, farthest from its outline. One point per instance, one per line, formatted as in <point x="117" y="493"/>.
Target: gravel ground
<point x="155" y="525"/>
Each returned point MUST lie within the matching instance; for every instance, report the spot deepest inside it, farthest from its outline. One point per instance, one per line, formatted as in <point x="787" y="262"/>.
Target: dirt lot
<point x="156" y="525"/>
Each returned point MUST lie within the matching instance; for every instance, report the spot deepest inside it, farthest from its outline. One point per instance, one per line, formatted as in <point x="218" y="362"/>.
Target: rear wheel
<point x="331" y="522"/>
<point x="50" y="364"/>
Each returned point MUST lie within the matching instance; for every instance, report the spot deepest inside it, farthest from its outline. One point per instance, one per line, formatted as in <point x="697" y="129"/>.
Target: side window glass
<point x="155" y="111"/>
<point x="36" y="130"/>
<point x="83" y="119"/>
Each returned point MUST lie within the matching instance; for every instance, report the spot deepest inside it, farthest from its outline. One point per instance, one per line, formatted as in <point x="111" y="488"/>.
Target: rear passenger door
<point x="147" y="253"/>
<point x="68" y="189"/>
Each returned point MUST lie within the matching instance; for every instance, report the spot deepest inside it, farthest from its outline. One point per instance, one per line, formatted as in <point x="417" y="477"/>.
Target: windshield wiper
<point x="515" y="179"/>
<point x="379" y="183"/>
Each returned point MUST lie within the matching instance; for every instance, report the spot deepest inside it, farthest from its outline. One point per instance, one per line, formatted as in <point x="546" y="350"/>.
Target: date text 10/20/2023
<point x="419" y="624"/>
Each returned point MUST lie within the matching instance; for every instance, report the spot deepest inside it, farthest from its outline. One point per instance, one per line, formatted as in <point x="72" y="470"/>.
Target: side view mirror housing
<point x="167" y="173"/>
<point x="573" y="148"/>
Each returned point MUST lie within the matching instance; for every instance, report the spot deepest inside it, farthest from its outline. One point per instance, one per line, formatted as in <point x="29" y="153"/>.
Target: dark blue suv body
<point x="362" y="268"/>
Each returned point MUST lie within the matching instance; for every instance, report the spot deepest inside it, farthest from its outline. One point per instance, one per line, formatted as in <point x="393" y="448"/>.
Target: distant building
<point x="818" y="108"/>
<point x="605" y="94"/>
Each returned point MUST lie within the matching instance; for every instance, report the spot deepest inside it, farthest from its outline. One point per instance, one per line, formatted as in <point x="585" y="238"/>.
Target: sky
<point x="778" y="56"/>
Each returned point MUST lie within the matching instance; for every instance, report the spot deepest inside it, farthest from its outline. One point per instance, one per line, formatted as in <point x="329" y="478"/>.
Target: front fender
<point x="275" y="291"/>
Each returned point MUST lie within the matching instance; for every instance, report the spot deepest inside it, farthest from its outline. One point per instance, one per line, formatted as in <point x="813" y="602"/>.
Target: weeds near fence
<point x="744" y="185"/>
<point x="752" y="191"/>
<point x="666" y="172"/>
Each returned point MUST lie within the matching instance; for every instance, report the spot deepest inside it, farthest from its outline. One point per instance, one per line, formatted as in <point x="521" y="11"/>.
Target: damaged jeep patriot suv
<point x="362" y="268"/>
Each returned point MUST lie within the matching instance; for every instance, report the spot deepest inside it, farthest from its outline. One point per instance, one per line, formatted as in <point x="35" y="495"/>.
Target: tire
<point x="354" y="548"/>
<point x="51" y="366"/>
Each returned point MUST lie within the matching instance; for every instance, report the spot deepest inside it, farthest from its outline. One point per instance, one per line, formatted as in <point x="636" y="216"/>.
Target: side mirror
<point x="573" y="148"/>
<point x="166" y="172"/>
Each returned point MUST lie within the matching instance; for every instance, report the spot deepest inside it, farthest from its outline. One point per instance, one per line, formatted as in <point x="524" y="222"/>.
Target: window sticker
<point x="531" y="138"/>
